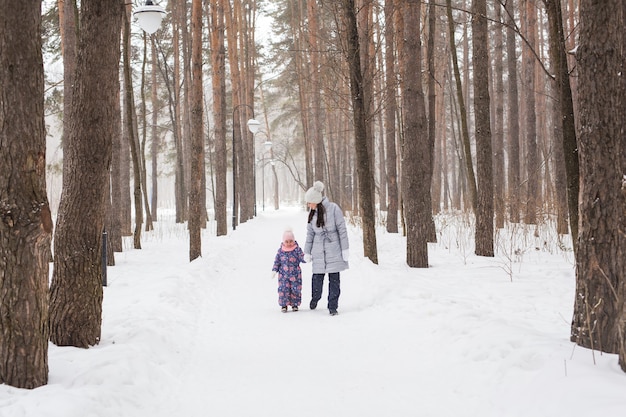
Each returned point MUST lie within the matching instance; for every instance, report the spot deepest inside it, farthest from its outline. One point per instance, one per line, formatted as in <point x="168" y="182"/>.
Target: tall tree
<point x="76" y="288"/>
<point x="176" y="100"/>
<point x="218" y="79"/>
<point x="144" y="137"/>
<point x="196" y="216"/>
<point x="25" y="220"/>
<point x="315" y="85"/>
<point x="484" y="158"/>
<point x="569" y="149"/>
<point x="242" y="111"/>
<point x="364" y="170"/>
<point x="390" y="118"/>
<point x="513" y="145"/>
<point x="599" y="309"/>
<point x="498" y="133"/>
<point x="432" y="114"/>
<point x="467" y="152"/>
<point x="416" y="157"/>
<point x="532" y="155"/>
<point x="67" y="26"/>
<point x="131" y="128"/>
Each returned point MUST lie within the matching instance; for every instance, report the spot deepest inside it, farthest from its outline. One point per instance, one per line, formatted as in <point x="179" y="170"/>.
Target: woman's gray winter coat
<point x="325" y="244"/>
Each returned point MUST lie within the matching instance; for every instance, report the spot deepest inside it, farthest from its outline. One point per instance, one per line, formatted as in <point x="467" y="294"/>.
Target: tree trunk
<point x="197" y="136"/>
<point x="484" y="158"/>
<point x="76" y="288"/>
<point x="126" y="216"/>
<point x="25" y="221"/>
<point x="569" y="149"/>
<point x="364" y="172"/>
<point x="432" y="115"/>
<point x="67" y="27"/>
<point x="300" y="64"/>
<point x="237" y="94"/>
<point x="599" y="315"/>
<point x="218" y="73"/>
<point x="390" y="119"/>
<point x="180" y="183"/>
<point x="513" y="169"/>
<point x="144" y="137"/>
<point x="532" y="156"/>
<point x="114" y="228"/>
<point x="416" y="163"/>
<point x="131" y="127"/>
<point x="467" y="150"/>
<point x="498" y="134"/>
<point x="315" y="127"/>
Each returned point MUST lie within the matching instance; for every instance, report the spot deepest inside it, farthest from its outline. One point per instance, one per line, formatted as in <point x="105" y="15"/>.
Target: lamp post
<point x="253" y="126"/>
<point x="268" y="145"/>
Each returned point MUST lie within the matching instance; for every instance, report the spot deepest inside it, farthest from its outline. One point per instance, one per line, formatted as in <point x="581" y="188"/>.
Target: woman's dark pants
<point x="333" y="289"/>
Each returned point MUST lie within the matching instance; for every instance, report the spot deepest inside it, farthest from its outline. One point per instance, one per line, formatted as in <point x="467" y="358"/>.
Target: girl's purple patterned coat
<point x="287" y="264"/>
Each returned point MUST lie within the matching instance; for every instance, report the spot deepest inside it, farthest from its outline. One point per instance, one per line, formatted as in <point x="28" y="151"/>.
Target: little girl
<point x="287" y="265"/>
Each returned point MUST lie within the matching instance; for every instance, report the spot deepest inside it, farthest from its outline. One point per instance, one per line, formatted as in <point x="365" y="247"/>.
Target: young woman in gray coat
<point x="326" y="245"/>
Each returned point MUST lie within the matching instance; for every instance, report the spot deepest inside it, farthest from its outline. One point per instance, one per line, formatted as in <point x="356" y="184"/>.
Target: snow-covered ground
<point x="469" y="336"/>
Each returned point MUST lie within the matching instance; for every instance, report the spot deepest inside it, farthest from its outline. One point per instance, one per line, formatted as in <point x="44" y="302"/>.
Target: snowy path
<point x="463" y="338"/>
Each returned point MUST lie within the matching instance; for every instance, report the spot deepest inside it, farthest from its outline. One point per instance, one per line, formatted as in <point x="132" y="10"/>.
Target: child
<point x="287" y="265"/>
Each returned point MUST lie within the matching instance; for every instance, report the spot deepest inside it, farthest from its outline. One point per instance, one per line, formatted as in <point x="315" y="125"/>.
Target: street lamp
<point x="253" y="126"/>
<point x="149" y="16"/>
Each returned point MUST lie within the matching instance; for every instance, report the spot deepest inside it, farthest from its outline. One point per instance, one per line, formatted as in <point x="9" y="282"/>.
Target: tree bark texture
<point x="25" y="220"/>
<point x="364" y="169"/>
<point x="76" y="288"/>
<point x="131" y="127"/>
<point x="484" y="158"/>
<point x="467" y="152"/>
<point x="416" y="158"/>
<point x="532" y="155"/>
<point x="144" y="137"/>
<point x="599" y="315"/>
<point x="196" y="207"/>
<point x="218" y="74"/>
<point x="569" y="149"/>
<point x="315" y="127"/>
<point x="390" y="118"/>
<point x="513" y="145"/>
<point x="498" y="133"/>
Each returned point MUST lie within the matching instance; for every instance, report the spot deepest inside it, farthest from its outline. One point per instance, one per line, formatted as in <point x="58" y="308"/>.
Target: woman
<point x="326" y="245"/>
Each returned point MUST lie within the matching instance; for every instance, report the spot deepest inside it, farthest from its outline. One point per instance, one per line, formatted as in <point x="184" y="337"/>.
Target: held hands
<point x="345" y="254"/>
<point x="307" y="258"/>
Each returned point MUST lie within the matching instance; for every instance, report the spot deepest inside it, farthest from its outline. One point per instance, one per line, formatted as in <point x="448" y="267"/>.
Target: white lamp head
<point x="149" y="16"/>
<point x="253" y="125"/>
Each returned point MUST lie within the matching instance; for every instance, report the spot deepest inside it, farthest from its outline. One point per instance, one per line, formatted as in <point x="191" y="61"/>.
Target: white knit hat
<point x="314" y="194"/>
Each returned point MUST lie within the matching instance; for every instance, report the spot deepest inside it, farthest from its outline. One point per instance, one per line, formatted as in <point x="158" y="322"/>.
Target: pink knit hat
<point x="288" y="235"/>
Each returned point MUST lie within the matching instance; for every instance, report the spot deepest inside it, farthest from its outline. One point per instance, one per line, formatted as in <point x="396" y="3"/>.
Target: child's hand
<point x="307" y="257"/>
<point x="273" y="275"/>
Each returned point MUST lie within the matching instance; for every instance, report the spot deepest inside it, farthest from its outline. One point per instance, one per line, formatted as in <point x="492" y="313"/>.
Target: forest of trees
<point x="511" y="111"/>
